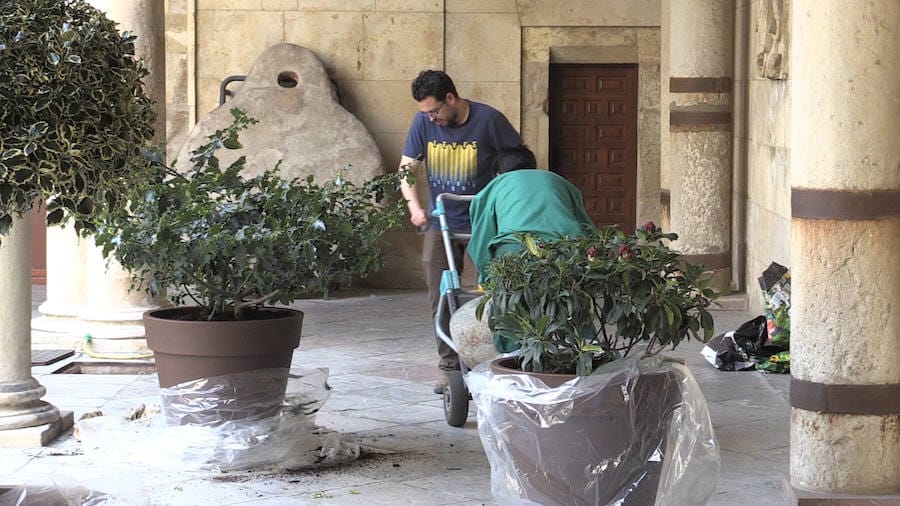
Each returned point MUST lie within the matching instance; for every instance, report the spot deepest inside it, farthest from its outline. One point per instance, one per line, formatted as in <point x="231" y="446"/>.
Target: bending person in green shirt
<point x="521" y="198"/>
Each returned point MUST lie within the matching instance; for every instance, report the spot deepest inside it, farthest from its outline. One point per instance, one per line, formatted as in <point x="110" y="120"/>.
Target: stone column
<point x="112" y="314"/>
<point x="25" y="420"/>
<point x="845" y="247"/>
<point x="59" y="324"/>
<point x="147" y="20"/>
<point x="701" y="38"/>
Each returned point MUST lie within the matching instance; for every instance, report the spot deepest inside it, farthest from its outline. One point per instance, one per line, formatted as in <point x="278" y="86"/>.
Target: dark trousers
<point x="434" y="263"/>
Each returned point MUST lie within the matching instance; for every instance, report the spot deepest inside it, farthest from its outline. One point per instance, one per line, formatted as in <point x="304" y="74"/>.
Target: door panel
<point x="593" y="137"/>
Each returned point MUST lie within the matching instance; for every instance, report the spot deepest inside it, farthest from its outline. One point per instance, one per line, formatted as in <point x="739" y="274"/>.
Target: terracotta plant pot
<point x="604" y="446"/>
<point x="187" y="350"/>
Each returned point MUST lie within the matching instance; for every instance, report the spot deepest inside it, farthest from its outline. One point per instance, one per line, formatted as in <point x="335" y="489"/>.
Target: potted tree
<point x="574" y="417"/>
<point x="73" y="120"/>
<point x="228" y="247"/>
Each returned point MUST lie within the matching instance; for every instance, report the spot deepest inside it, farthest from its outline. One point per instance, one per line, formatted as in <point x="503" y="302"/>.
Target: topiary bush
<point x="75" y="116"/>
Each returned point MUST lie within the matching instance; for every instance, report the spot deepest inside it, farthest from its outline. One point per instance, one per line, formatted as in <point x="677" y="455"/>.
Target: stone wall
<point x="374" y="48"/>
<point x="762" y="155"/>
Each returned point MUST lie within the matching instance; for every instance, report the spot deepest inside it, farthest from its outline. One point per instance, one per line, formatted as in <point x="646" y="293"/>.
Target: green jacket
<point x="525" y="200"/>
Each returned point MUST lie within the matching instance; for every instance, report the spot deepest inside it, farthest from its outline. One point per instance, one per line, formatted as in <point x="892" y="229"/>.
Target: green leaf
<point x="10" y="153"/>
<point x="706" y="321"/>
<point x="232" y="143"/>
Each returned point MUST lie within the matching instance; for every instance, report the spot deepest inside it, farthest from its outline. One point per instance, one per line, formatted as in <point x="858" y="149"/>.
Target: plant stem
<point x="239" y="306"/>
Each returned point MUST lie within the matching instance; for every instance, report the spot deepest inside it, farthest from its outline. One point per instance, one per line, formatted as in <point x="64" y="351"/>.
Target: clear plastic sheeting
<point x="206" y="427"/>
<point x="60" y="490"/>
<point x="636" y="432"/>
<point x="243" y="397"/>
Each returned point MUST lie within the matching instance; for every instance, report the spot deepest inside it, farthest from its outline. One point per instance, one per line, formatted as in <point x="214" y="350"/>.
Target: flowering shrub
<point x="229" y="243"/>
<point x="575" y="303"/>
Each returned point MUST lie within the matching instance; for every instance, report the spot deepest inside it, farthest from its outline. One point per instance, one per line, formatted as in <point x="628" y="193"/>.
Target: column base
<point x="113" y="340"/>
<point x="800" y="497"/>
<point x="50" y="332"/>
<point x="41" y="435"/>
<point x="60" y="309"/>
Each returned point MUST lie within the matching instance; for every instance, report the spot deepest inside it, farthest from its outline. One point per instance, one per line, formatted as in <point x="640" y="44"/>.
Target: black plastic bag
<point x="723" y="353"/>
<point x="742" y="349"/>
<point x="751" y="336"/>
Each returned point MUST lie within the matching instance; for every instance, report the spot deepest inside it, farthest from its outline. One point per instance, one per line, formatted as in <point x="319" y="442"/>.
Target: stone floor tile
<point x="770" y="494"/>
<point x="458" y="482"/>
<point x="342" y="423"/>
<point x="203" y="492"/>
<point x="741" y="411"/>
<point x="754" y="436"/>
<point x="407" y="414"/>
<point x="391" y="493"/>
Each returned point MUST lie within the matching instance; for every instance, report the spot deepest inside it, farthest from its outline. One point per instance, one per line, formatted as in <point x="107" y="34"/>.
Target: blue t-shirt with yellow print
<point x="458" y="158"/>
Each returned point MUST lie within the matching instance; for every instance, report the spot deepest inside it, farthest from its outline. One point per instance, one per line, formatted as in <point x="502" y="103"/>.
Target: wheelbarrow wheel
<point x="456" y="399"/>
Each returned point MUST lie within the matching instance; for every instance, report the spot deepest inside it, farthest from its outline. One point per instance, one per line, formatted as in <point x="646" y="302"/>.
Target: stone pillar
<point x="147" y="20"/>
<point x="25" y="420"/>
<point x="112" y="314"/>
<point x="59" y="324"/>
<point x="701" y="38"/>
<point x="845" y="247"/>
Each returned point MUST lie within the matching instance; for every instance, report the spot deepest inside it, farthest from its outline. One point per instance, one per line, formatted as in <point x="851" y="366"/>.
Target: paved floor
<point x="379" y="353"/>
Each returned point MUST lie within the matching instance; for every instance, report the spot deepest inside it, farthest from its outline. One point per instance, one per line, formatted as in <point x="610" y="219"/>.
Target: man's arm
<point x="416" y="213"/>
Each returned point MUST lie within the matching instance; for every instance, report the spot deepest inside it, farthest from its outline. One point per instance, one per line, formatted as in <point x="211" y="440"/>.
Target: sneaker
<point x="441" y="383"/>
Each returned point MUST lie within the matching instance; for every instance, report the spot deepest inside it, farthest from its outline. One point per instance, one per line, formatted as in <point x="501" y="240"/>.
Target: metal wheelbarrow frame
<point x="456" y="393"/>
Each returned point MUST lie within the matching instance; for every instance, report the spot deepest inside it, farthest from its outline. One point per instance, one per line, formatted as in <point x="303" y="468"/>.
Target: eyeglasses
<point x="434" y="112"/>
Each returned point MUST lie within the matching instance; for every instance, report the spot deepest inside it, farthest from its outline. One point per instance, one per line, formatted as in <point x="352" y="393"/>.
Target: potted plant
<point x="589" y="426"/>
<point x="228" y="247"/>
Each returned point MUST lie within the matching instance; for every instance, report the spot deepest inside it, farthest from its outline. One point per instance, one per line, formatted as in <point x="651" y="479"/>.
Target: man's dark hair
<point x="510" y="158"/>
<point x="432" y="83"/>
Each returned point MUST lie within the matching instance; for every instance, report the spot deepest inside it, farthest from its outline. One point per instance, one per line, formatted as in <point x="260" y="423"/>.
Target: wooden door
<point x="593" y="137"/>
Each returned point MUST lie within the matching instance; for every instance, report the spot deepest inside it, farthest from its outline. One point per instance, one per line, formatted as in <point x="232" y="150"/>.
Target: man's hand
<point x="417" y="216"/>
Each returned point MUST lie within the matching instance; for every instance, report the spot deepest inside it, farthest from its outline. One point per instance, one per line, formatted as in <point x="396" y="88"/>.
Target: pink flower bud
<point x="592" y="253"/>
<point x="625" y="251"/>
<point x="649" y="227"/>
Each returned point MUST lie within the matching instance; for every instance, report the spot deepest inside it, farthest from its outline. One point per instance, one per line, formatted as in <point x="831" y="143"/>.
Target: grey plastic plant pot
<point x="605" y="446"/>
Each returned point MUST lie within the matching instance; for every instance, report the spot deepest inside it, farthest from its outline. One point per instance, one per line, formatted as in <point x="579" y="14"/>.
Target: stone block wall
<point x="762" y="166"/>
<point x="497" y="51"/>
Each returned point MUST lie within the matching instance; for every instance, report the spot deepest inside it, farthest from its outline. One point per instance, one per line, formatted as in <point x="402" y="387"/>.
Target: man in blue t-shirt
<point x="457" y="139"/>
